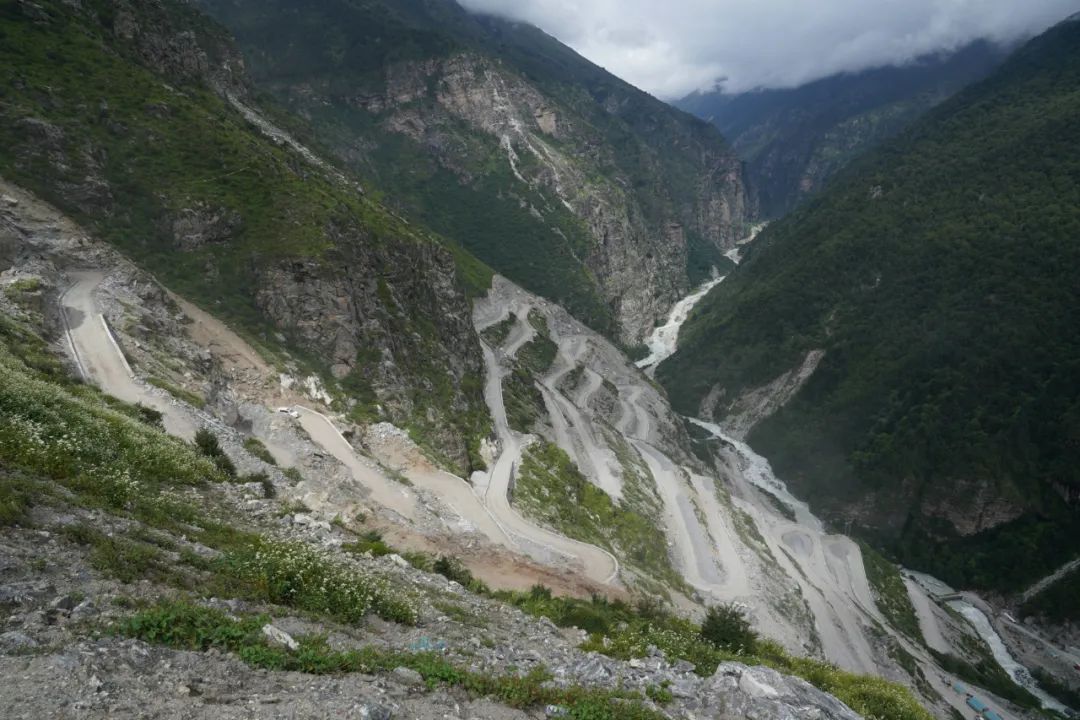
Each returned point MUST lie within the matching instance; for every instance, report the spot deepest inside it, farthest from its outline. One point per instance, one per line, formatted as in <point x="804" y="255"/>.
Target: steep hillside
<point x="938" y="278"/>
<point x="117" y="113"/>
<point x="554" y="172"/>
<point x="139" y="573"/>
<point x="795" y="139"/>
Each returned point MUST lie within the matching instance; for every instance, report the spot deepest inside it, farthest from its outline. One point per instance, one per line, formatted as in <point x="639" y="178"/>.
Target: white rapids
<point x="665" y="337"/>
<point x="985" y="629"/>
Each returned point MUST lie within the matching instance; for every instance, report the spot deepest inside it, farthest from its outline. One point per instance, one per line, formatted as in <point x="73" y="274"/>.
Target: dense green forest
<point x="939" y="275"/>
<point x="1058" y="601"/>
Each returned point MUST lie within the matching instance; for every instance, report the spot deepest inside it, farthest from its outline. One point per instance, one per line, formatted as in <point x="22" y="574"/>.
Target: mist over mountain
<point x="794" y="140"/>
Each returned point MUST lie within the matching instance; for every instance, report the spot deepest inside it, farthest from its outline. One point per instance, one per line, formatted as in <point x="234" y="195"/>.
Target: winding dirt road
<point x="100" y="359"/>
<point x="597" y="563"/>
<point x="388" y="493"/>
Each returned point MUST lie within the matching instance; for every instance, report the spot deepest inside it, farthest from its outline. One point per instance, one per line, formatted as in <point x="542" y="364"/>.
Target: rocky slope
<point x="146" y="144"/>
<point x="794" y="140"/>
<point x="941" y="418"/>
<point x="143" y="576"/>
<point x="557" y="174"/>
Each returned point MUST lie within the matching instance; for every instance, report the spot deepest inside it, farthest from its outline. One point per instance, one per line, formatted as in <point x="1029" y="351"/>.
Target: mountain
<point x="130" y="117"/>
<point x="794" y="140"/>
<point x="937" y="278"/>
<point x="554" y="172"/>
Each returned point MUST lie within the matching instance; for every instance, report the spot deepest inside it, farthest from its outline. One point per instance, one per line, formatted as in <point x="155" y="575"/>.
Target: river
<point x="663" y="343"/>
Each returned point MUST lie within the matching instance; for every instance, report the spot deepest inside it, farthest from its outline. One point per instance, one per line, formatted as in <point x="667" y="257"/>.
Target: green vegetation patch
<point x="890" y="593"/>
<point x="537" y="355"/>
<point x="1058" y="601"/>
<point x="193" y="627"/>
<point x="551" y="489"/>
<point x="256" y="447"/>
<point x="523" y="401"/>
<point x="297" y="575"/>
<point x="496" y="334"/>
<point x="191" y="398"/>
<point x="986" y="673"/>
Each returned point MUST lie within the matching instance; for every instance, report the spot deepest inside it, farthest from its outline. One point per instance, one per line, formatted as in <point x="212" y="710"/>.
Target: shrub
<point x="207" y="443"/>
<point x="194" y="627"/>
<point x="369" y="542"/>
<point x="726" y="626"/>
<point x="452" y="568"/>
<point x="297" y="575"/>
<point x="151" y="417"/>
<point x="256" y="447"/>
<point x="16" y="499"/>
<point x="540" y="592"/>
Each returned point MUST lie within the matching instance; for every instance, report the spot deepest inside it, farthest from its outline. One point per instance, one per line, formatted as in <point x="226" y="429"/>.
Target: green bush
<point x="151" y="417"/>
<point x="207" y="443"/>
<point x="452" y="568"/>
<point x="191" y="398"/>
<point x="16" y="499"/>
<point x="370" y="542"/>
<point x="726" y="626"/>
<point x="298" y="575"/>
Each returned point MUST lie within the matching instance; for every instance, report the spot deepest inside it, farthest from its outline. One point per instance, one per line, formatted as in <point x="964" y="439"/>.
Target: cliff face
<point x="141" y="147"/>
<point x="555" y="173"/>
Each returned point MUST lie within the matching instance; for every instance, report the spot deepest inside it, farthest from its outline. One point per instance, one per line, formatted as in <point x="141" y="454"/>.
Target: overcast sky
<point x="672" y="47"/>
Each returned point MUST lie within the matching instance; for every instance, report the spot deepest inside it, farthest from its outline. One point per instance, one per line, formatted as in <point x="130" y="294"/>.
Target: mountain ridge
<point x="919" y="402"/>
<point x="794" y="140"/>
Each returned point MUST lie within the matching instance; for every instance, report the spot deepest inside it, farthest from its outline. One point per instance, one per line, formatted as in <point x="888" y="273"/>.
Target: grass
<point x="537" y="355"/>
<point x="191" y="398"/>
<point x="551" y="489"/>
<point x="256" y="447"/>
<point x="495" y="335"/>
<point x="297" y="575"/>
<point x="890" y="593"/>
<point x="17" y="494"/>
<point x="23" y="286"/>
<point x="369" y="542"/>
<point x="193" y="627"/>
<point x="523" y="400"/>
<point x="127" y="560"/>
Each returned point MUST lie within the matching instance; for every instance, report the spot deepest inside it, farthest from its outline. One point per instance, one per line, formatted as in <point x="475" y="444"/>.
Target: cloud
<point x="673" y="47"/>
